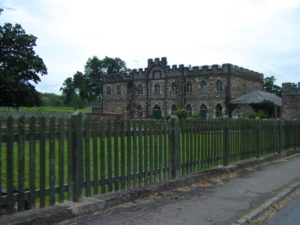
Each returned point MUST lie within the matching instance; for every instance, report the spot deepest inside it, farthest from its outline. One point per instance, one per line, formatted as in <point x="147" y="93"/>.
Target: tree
<point x="97" y="70"/>
<point x="20" y="67"/>
<point x="270" y="86"/>
<point x="51" y="99"/>
<point x="88" y="86"/>
<point x="68" y="91"/>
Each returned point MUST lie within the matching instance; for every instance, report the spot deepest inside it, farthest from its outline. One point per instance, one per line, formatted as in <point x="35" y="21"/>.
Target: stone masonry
<point x="291" y="101"/>
<point x="159" y="89"/>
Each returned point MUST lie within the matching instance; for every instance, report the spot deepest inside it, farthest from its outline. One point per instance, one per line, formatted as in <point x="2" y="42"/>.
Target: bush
<point x="181" y="113"/>
<point x="261" y="114"/>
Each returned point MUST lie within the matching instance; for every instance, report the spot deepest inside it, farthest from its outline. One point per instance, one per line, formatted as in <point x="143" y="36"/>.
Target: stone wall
<point x="157" y="84"/>
<point x="290" y="101"/>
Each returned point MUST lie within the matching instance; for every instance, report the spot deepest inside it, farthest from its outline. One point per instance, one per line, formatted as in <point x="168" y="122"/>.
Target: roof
<point x="257" y="97"/>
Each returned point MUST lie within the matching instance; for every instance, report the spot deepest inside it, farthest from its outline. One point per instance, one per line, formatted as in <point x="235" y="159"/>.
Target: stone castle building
<point x="291" y="101"/>
<point x="159" y="90"/>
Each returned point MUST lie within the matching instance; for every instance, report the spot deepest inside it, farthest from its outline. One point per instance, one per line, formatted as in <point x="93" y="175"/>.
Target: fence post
<point x="174" y="140"/>
<point x="295" y="135"/>
<point x="225" y="143"/>
<point x="258" y="138"/>
<point x="77" y="156"/>
<point x="280" y="136"/>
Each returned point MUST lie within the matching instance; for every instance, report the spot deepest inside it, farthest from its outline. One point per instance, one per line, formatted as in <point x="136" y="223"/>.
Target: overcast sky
<point x="261" y="35"/>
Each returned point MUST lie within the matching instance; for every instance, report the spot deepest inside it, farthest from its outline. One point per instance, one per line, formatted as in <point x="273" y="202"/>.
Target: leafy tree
<point x="20" y="67"/>
<point x="81" y="87"/>
<point x="97" y="70"/>
<point x="88" y="86"/>
<point x="51" y="99"/>
<point x="270" y="86"/>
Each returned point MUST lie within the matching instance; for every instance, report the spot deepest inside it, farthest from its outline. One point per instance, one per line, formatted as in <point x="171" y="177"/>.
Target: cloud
<point x="249" y="33"/>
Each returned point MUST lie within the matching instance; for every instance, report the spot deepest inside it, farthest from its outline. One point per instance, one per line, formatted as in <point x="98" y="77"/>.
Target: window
<point x="140" y="89"/>
<point x="218" y="111"/>
<point x="174" y="88"/>
<point x="139" y="111"/>
<point x="129" y="112"/>
<point x="219" y="86"/>
<point x="119" y="90"/>
<point x="203" y="87"/>
<point x="203" y="112"/>
<point x="188" y="87"/>
<point x="157" y="88"/>
<point x="108" y="91"/>
<point x="129" y="89"/>
<point x="244" y="89"/>
<point x="156" y="112"/>
<point x="173" y="109"/>
<point x="189" y="110"/>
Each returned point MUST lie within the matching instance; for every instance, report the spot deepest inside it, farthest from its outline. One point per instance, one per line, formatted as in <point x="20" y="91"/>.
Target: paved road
<point x="220" y="204"/>
<point x="289" y="215"/>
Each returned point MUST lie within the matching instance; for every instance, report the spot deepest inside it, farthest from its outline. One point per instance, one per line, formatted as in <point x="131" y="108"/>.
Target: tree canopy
<point x="88" y="86"/>
<point x="20" y="67"/>
<point x="270" y="86"/>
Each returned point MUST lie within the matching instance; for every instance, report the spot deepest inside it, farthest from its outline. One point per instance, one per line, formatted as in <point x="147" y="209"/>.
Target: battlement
<point x="290" y="88"/>
<point x="227" y="68"/>
<point x="290" y="85"/>
<point x="157" y="62"/>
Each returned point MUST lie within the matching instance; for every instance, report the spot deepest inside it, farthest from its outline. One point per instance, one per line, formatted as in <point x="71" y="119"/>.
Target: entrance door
<point x="156" y="112"/>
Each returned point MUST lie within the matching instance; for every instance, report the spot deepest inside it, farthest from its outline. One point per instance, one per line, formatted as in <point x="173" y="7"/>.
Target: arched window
<point x="129" y="112"/>
<point x="157" y="88"/>
<point x="173" y="108"/>
<point x="244" y="89"/>
<point x="119" y="90"/>
<point x="129" y="89"/>
<point x="108" y="91"/>
<point x="203" y="87"/>
<point x="140" y="89"/>
<point x="203" y="112"/>
<point x="219" y="86"/>
<point x="218" y="111"/>
<point x="156" y="112"/>
<point x="139" y="111"/>
<point x="174" y="88"/>
<point x="189" y="110"/>
<point x="188" y="87"/>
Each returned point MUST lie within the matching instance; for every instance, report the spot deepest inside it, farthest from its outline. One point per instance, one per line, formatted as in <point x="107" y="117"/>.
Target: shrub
<point x="181" y="113"/>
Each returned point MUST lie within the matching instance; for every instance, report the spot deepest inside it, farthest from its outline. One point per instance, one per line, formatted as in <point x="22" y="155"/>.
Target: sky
<point x="260" y="35"/>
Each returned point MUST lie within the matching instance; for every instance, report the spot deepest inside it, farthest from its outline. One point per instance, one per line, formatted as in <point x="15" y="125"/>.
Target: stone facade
<point x="159" y="89"/>
<point x="291" y="101"/>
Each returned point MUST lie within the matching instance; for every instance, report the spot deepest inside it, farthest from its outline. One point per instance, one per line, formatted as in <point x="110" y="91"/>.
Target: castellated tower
<point x="291" y="101"/>
<point x="159" y="90"/>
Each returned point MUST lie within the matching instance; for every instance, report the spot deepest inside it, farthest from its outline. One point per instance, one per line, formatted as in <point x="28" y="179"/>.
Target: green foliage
<point x="181" y="113"/>
<point x="255" y="223"/>
<point x="263" y="109"/>
<point x="85" y="88"/>
<point x="259" y="114"/>
<point x="20" y="67"/>
<point x="270" y="86"/>
<point x="50" y="99"/>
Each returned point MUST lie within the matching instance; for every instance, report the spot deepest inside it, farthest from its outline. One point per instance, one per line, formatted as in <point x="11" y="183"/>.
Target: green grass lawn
<point x="140" y="158"/>
<point x="4" y="111"/>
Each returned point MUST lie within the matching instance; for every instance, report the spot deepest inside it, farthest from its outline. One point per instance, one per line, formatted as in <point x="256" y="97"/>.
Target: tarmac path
<point x="220" y="204"/>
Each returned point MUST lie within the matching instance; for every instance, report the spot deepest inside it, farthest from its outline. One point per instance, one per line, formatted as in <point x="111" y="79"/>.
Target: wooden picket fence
<point x="45" y="161"/>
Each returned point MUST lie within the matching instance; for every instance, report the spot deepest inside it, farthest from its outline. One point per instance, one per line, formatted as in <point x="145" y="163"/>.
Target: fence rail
<point x="44" y="161"/>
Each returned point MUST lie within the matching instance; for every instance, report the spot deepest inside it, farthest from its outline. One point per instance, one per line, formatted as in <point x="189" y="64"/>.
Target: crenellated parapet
<point x="291" y="88"/>
<point x="181" y="70"/>
<point x="157" y="62"/>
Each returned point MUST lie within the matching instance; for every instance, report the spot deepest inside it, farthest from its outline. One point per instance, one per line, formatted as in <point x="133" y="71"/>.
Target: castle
<point x="291" y="101"/>
<point x="159" y="90"/>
